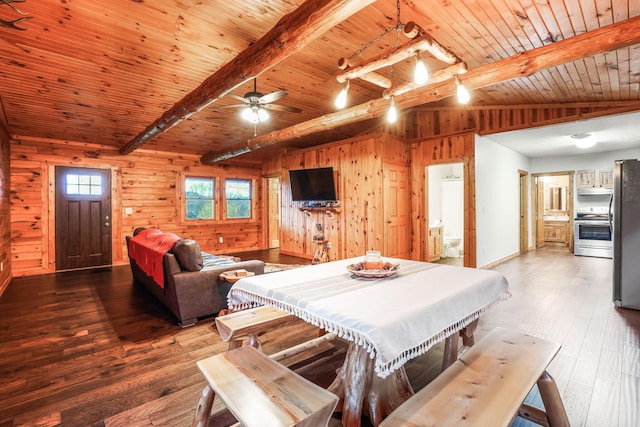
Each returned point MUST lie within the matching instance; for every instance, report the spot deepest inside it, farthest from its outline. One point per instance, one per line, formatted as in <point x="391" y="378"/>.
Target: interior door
<point x="524" y="213"/>
<point x="274" y="212"/>
<point x="539" y="216"/>
<point x="396" y="198"/>
<point x="83" y="218"/>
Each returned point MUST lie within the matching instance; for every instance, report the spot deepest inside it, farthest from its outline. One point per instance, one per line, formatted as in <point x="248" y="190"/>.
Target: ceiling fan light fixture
<point x="255" y="114"/>
<point x="250" y="115"/>
<point x="263" y="115"/>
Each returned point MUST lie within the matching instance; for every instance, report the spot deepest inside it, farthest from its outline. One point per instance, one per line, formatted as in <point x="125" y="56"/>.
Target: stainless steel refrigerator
<point x="625" y="210"/>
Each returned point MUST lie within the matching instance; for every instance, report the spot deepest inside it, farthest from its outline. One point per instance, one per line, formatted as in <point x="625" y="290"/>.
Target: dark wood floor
<point x="91" y="349"/>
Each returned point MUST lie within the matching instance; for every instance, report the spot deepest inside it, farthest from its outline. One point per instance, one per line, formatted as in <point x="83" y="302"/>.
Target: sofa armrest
<point x="202" y="293"/>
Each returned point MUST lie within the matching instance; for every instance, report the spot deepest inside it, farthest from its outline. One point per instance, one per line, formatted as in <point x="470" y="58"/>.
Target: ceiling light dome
<point x="584" y="140"/>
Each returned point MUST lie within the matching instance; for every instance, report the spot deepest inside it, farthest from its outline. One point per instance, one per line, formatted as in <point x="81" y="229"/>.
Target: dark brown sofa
<point x="192" y="288"/>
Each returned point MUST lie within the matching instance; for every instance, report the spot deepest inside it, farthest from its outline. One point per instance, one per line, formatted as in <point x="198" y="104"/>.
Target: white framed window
<point x="199" y="196"/>
<point x="238" y="197"/>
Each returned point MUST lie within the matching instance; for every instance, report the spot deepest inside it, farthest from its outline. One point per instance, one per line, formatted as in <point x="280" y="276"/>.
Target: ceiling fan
<point x="256" y="104"/>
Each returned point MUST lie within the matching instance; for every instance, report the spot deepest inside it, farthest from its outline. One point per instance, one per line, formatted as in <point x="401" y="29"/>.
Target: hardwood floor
<point x="91" y="349"/>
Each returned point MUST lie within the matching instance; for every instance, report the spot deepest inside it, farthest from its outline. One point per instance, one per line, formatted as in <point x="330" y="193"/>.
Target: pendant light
<point x="420" y="74"/>
<point x="463" y="93"/>
<point x="392" y="113"/>
<point x="341" y="100"/>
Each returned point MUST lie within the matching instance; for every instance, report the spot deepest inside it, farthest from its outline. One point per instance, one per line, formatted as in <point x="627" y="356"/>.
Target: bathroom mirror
<point x="556" y="199"/>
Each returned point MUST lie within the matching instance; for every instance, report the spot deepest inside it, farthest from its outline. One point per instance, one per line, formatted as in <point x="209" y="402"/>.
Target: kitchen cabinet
<point x="594" y="181"/>
<point x="435" y="243"/>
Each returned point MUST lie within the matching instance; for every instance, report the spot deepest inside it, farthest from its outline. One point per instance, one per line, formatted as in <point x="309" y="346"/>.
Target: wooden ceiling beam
<point x="615" y="36"/>
<point x="423" y="43"/>
<point x="437" y="77"/>
<point x="291" y="34"/>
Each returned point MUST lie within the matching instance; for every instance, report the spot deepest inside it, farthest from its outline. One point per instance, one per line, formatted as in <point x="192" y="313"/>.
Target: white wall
<point x="498" y="201"/>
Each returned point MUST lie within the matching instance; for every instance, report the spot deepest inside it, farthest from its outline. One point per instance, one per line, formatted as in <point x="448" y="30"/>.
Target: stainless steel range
<point x="592" y="232"/>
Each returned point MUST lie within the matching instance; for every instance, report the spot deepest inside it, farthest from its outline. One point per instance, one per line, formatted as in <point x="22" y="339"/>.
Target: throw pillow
<point x="188" y="255"/>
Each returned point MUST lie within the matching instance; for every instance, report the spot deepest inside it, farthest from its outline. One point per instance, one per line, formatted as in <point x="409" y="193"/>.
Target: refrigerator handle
<point x="611" y="213"/>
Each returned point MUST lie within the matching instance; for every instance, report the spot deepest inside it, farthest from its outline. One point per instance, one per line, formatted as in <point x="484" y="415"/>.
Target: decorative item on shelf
<point x="319" y="236"/>
<point x="420" y="42"/>
<point x="319" y="240"/>
<point x="14" y="24"/>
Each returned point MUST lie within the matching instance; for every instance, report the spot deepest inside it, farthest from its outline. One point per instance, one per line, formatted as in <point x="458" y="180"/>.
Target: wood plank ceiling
<point x="103" y="71"/>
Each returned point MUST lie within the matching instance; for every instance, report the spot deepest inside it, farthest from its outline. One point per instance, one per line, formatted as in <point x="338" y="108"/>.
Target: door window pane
<point x="83" y="185"/>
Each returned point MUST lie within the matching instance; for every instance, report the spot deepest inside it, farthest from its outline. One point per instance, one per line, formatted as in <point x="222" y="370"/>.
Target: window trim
<point x="220" y="199"/>
<point x="216" y="199"/>
<point x="252" y="204"/>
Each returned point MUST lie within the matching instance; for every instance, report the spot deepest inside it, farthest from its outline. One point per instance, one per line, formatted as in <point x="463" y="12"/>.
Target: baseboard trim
<point x="500" y="261"/>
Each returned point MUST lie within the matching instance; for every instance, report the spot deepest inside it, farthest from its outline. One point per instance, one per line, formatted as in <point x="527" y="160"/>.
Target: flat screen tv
<point x="312" y="185"/>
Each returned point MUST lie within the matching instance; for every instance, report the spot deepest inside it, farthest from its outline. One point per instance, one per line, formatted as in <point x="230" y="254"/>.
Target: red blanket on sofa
<point x="147" y="249"/>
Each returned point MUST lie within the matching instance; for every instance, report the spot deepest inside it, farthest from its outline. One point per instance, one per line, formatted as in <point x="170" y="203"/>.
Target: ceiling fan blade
<point x="273" y="96"/>
<point x="277" y="107"/>
<point x="239" y="98"/>
<point x="218" y="107"/>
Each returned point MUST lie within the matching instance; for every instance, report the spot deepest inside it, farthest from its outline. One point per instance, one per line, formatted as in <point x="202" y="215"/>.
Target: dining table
<point x="387" y="319"/>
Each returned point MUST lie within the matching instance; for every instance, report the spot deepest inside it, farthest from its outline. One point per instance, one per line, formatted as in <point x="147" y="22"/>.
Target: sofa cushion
<point x="188" y="255"/>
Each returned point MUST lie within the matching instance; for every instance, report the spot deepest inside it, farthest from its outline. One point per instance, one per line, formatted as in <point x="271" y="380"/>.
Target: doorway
<point x="83" y="217"/>
<point x="553" y="211"/>
<point x="446" y="189"/>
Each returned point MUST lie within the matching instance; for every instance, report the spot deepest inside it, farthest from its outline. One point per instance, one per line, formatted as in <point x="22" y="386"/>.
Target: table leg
<point x="361" y="391"/>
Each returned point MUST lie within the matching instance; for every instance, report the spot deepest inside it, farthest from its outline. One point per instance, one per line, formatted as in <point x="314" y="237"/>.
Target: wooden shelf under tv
<point x="329" y="210"/>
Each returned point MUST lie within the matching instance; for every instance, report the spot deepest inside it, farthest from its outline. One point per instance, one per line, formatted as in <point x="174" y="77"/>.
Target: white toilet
<point x="451" y="246"/>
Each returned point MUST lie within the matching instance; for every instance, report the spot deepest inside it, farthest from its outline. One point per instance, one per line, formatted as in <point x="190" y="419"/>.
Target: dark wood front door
<point x="83" y="217"/>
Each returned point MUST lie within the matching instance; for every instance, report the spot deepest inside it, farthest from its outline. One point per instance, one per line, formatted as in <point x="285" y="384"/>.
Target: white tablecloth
<point x="395" y="318"/>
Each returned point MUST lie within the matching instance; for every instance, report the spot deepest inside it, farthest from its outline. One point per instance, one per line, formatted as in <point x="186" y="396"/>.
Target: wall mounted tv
<point x="313" y="185"/>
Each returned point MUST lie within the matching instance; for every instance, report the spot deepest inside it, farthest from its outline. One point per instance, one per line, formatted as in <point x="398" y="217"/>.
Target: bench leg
<point x="203" y="410"/>
<point x="552" y="401"/>
<point x="451" y="352"/>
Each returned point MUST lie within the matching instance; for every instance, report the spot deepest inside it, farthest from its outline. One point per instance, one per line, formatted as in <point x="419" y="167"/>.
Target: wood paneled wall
<point x="359" y="224"/>
<point x="433" y="151"/>
<point x="5" y="208"/>
<point x="432" y="122"/>
<point x="146" y="181"/>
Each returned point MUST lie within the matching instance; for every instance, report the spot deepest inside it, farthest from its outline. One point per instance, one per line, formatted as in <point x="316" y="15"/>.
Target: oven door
<point x="593" y="238"/>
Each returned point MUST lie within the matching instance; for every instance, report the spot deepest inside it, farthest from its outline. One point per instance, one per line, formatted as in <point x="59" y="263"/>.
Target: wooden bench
<point x="248" y="324"/>
<point x="260" y="392"/>
<point x="487" y="386"/>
